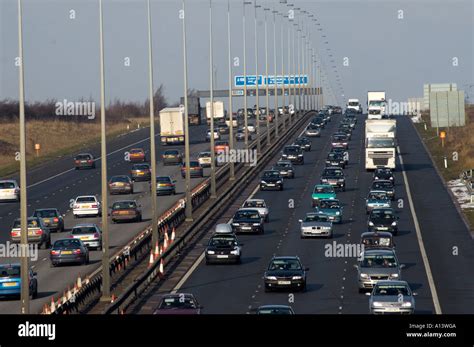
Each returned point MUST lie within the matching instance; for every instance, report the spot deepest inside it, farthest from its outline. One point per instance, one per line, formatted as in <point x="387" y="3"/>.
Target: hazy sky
<point x="396" y="55"/>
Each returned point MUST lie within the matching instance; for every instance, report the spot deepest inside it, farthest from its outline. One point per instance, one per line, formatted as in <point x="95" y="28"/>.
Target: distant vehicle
<point x="241" y="113"/>
<point x="335" y="177"/>
<point x="383" y="219"/>
<point x="67" y="251"/>
<point x="285" y="273"/>
<point x="204" y="159"/>
<point x="304" y="143"/>
<point x="86" y="205"/>
<point x="221" y="146"/>
<point x="392" y="297"/>
<point x="247" y="221"/>
<point x="89" y="233"/>
<point x="51" y="218"/>
<point x="386" y="186"/>
<point x="223" y="228"/>
<point x="223" y="129"/>
<point x="9" y="190"/>
<point x="384" y="174"/>
<point x="250" y="128"/>
<point x="340" y="141"/>
<point x="343" y="152"/>
<point x="219" y="112"/>
<point x="318" y="121"/>
<point x="194" y="109"/>
<point x="293" y="153"/>
<point x="172" y="157"/>
<point x="120" y="184"/>
<point x="322" y="191"/>
<point x="217" y="135"/>
<point x="223" y="248"/>
<point x="275" y="309"/>
<point x="315" y="224"/>
<point x="354" y="104"/>
<point x="271" y="179"/>
<point x="84" y="161"/>
<point x="140" y="172"/>
<point x="259" y="205"/>
<point x="165" y="185"/>
<point x="195" y="170"/>
<point x="126" y="210"/>
<point x="171" y="126"/>
<point x="10" y="281"/>
<point x="285" y="168"/>
<point x="37" y="232"/>
<point x="335" y="160"/>
<point x="331" y="208"/>
<point x="376" y="102"/>
<point x="178" y="303"/>
<point x="377" y="199"/>
<point x="313" y="130"/>
<point x="137" y="155"/>
<point x="240" y="135"/>
<point x="337" y="110"/>
<point x="382" y="239"/>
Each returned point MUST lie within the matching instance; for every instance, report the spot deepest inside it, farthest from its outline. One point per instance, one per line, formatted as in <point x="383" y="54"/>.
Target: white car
<point x="217" y="136"/>
<point x="87" y="205"/>
<point x="259" y="205"/>
<point x="250" y="128"/>
<point x="204" y="159"/>
<point x="9" y="190"/>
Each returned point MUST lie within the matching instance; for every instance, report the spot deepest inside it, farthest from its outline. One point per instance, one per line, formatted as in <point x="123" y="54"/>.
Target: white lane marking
<point x="190" y="271"/>
<point x="419" y="237"/>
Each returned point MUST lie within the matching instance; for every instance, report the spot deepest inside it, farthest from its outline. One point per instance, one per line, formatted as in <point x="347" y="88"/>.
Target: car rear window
<point x="68" y="244"/>
<point x="171" y="152"/>
<point x="140" y="167"/>
<point x="285" y="264"/>
<point x="46" y="213"/>
<point x="123" y="205"/>
<point x="83" y="230"/>
<point x="32" y="223"/>
<point x="178" y="302"/>
<point x="163" y="179"/>
<point x="119" y="179"/>
<point x="7" y="185"/>
<point x="83" y="157"/>
<point x="136" y="151"/>
<point x="6" y="272"/>
<point x="85" y="199"/>
<point x="194" y="163"/>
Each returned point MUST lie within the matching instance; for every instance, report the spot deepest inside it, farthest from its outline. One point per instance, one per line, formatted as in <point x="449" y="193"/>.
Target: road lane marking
<point x="419" y="237"/>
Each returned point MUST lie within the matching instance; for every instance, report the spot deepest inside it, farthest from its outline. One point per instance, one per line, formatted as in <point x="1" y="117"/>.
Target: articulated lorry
<point x="172" y="126"/>
<point x="375" y="105"/>
<point x="380" y="143"/>
<point x="219" y="112"/>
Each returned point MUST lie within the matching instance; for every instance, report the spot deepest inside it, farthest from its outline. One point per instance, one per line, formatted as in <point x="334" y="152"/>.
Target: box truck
<point x="380" y="143"/>
<point x="219" y="112"/>
<point x="354" y="104"/>
<point x="375" y="105"/>
<point x="171" y="126"/>
<point x="194" y="110"/>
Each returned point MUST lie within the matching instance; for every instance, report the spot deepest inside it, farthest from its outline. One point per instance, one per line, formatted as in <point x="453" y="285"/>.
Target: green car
<point x="322" y="191"/>
<point x="331" y="208"/>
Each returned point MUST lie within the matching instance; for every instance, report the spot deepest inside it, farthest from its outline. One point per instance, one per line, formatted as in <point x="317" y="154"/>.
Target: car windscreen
<point x="291" y="150"/>
<point x="83" y="230"/>
<point x="285" y="264"/>
<point x="333" y="172"/>
<point x="46" y="213"/>
<point x="353" y="104"/>
<point x="83" y="157"/>
<point x="180" y="302"/>
<point x="323" y="190"/>
<point x="378" y="196"/>
<point x="376" y="241"/>
<point x="249" y="214"/>
<point x="380" y="143"/>
<point x="254" y="204"/>
<point x="379" y="185"/>
<point x="316" y="218"/>
<point x="379" y="261"/>
<point x="274" y="310"/>
<point x="221" y="241"/>
<point x="382" y="214"/>
<point x="329" y="204"/>
<point x="7" y="185"/>
<point x="13" y="271"/>
<point x="392" y="290"/>
<point x="271" y="174"/>
<point x="67" y="244"/>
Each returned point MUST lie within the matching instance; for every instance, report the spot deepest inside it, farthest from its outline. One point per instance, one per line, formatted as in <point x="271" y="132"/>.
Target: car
<point x="125" y="210"/>
<point x="84" y="161"/>
<point x="250" y="128"/>
<point x="67" y="251"/>
<point x="344" y="131"/>
<point x="89" y="233"/>
<point x="241" y="112"/>
<point x="86" y="205"/>
<point x="172" y="157"/>
<point x="285" y="167"/>
<point x="140" y="172"/>
<point x="223" y="248"/>
<point x="350" y="122"/>
<point x="337" y="110"/>
<point x="384" y="174"/>
<point x="313" y="130"/>
<point x="178" y="303"/>
<point x="9" y="190"/>
<point x="223" y="129"/>
<point x="120" y="184"/>
<point x="137" y="155"/>
<point x="223" y="228"/>
<point x="335" y="177"/>
<point x="377" y="265"/>
<point x="195" y="170"/>
<point x="285" y="272"/>
<point x="343" y="152"/>
<point x="331" y="208"/>
<point x="51" y="218"/>
<point x="315" y="224"/>
<point x="304" y="143"/>
<point x="335" y="160"/>
<point x="377" y="199"/>
<point x="293" y="153"/>
<point x="247" y="221"/>
<point x="205" y="159"/>
<point x="259" y="205"/>
<point x="392" y="297"/>
<point x="377" y="239"/>
<point x="318" y="121"/>
<point x="386" y="186"/>
<point x="217" y="135"/>
<point x="275" y="309"/>
<point x="340" y="141"/>
<point x="383" y="219"/>
<point x="165" y="185"/>
<point x="221" y="146"/>
<point x="10" y="281"/>
<point x="322" y="191"/>
<point x="38" y="233"/>
<point x="240" y="135"/>
<point x="271" y="179"/>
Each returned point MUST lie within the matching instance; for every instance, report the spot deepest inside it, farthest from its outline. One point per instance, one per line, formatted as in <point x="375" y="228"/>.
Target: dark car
<point x="223" y="129"/>
<point x="51" y="218"/>
<point x="126" y="210"/>
<point x="247" y="221"/>
<point x="172" y="157"/>
<point x="120" y="184"/>
<point x="294" y="154"/>
<point x="285" y="273"/>
<point x="285" y="168"/>
<point x="385" y="185"/>
<point x="271" y="179"/>
<point x="304" y="143"/>
<point x="340" y="141"/>
<point x="84" y="161"/>
<point x="383" y="219"/>
<point x="195" y="170"/>
<point x="343" y="152"/>
<point x="337" y="110"/>
<point x="275" y="309"/>
<point x="335" y="177"/>
<point x="141" y="172"/>
<point x="344" y="131"/>
<point x="178" y="303"/>
<point x="384" y="174"/>
<point x="335" y="159"/>
<point x="240" y="135"/>
<point x="223" y="248"/>
<point x="67" y="251"/>
<point x="10" y="281"/>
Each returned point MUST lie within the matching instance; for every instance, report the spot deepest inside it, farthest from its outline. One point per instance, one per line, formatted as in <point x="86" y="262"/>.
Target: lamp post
<point x="275" y="74"/>
<point x="256" y="80"/>
<point x="267" y="97"/>
<point x="231" y="125"/>
<point x="211" y="78"/>
<point x="246" y="131"/>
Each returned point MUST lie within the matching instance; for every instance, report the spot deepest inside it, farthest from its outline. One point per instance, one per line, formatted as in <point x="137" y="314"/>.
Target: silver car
<point x="312" y="130"/>
<point x="377" y="265"/>
<point x="316" y="224"/>
<point x="392" y="297"/>
<point x="90" y="235"/>
<point x="259" y="205"/>
<point x="9" y="190"/>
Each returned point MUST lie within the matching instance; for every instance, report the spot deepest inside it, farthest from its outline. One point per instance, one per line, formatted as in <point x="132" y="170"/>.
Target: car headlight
<point x="297" y="277"/>
<point x="341" y="179"/>
<point x="406" y="304"/>
<point x="236" y="251"/>
<point x="364" y="276"/>
<point x="391" y="178"/>
<point x="394" y="275"/>
<point x="394" y="224"/>
<point x="324" y="179"/>
<point x="279" y="182"/>
<point x="235" y="224"/>
<point x="371" y="224"/>
<point x="210" y="252"/>
<point x="376" y="178"/>
<point x="263" y="182"/>
<point x="300" y="155"/>
<point x="256" y="224"/>
<point x="377" y="304"/>
<point x="271" y="278"/>
<point x="338" y="213"/>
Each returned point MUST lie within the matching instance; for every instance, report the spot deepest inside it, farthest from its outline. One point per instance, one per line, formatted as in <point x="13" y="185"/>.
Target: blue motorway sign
<point x="286" y="80"/>
<point x="239" y="81"/>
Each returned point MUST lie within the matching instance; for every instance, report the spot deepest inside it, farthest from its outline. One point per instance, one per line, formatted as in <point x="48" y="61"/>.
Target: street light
<point x="231" y="126"/>
<point x="246" y="131"/>
<point x="267" y="97"/>
<point x="275" y="73"/>
<point x="211" y="78"/>
<point x="256" y="79"/>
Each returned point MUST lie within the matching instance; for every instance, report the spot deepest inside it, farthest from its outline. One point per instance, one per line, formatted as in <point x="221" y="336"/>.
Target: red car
<point x="195" y="170"/>
<point x="137" y="155"/>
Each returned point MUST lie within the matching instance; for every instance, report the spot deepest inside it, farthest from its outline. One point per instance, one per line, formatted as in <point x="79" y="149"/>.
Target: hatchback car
<point x="294" y="154"/>
<point x="271" y="179"/>
<point x="38" y="233"/>
<point x="247" y="221"/>
<point x="340" y="141"/>
<point x="205" y="159"/>
<point x="172" y="157"/>
<point x="51" y="218"/>
<point x="383" y="219"/>
<point x="89" y="233"/>
<point x="384" y="174"/>
<point x="377" y="199"/>
<point x="126" y="210"/>
<point x="259" y="205"/>
<point x="275" y="309"/>
<point x="10" y="281"/>
<point x="392" y="297"/>
<point x="140" y="172"/>
<point x="240" y="135"/>
<point x="195" y="170"/>
<point x="67" y="251"/>
<point x="315" y="224"/>
<point x="178" y="303"/>
<point x="120" y="184"/>
<point x="313" y="130"/>
<point x="84" y="161"/>
<point x="165" y="185"/>
<point x="335" y="177"/>
<point x="322" y="191"/>
<point x="285" y="273"/>
<point x="137" y="155"/>
<point x="385" y="185"/>
<point x="379" y="239"/>
<point x="9" y="190"/>
<point x="87" y="205"/>
<point x="223" y="248"/>
<point x="331" y="208"/>
<point x="304" y="143"/>
<point x="335" y="160"/>
<point x="285" y="167"/>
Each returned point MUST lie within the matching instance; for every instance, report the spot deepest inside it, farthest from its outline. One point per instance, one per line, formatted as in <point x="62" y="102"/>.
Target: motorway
<point x="429" y="228"/>
<point x="56" y="184"/>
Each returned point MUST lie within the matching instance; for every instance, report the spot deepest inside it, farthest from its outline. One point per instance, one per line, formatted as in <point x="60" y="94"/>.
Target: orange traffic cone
<point x="173" y="235"/>
<point x="53" y="305"/>
<point x="150" y="262"/>
<point x="166" y="235"/>
<point x="79" y="282"/>
<point x="157" y="249"/>
<point x="165" y="244"/>
<point x="113" y="298"/>
<point x="161" y="270"/>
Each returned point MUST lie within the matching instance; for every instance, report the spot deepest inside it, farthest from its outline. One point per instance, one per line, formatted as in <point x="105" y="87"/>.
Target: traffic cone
<point x="161" y="270"/>
<point x="87" y="280"/>
<point x="165" y="244"/>
<point x="173" y="235"/>
<point x="53" y="305"/>
<point x="157" y="249"/>
<point x="113" y="298"/>
<point x="64" y="298"/>
<point x="166" y="235"/>
<point x="45" y="309"/>
<point x="161" y="249"/>
<point x="150" y="262"/>
<point x="79" y="282"/>
<point x="69" y="294"/>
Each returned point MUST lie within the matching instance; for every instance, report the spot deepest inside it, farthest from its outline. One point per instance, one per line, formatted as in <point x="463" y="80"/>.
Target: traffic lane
<point x="449" y="246"/>
<point x="231" y="288"/>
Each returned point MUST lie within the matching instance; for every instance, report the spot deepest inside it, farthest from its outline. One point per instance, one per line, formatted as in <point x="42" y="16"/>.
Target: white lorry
<point x="375" y="105"/>
<point x="380" y="143"/>
<point x="219" y="112"/>
<point x="172" y="126"/>
<point x="354" y="104"/>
